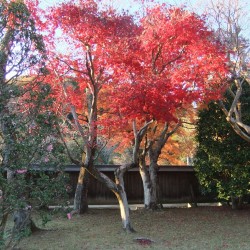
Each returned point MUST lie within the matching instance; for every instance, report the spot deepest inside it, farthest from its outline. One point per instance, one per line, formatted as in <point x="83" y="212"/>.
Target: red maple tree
<point x="174" y="62"/>
<point x="146" y="69"/>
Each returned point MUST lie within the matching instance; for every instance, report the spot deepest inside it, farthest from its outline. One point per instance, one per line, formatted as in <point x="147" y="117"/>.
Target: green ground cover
<point x="173" y="228"/>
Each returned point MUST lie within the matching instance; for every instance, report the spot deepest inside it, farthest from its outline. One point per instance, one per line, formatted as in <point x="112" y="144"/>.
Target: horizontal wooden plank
<point x="112" y="168"/>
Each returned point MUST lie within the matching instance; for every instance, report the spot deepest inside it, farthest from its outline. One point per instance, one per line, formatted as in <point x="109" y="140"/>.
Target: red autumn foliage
<point x="176" y="63"/>
<point x="144" y="69"/>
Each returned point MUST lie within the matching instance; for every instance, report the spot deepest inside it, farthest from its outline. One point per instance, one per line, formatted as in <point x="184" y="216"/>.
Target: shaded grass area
<point x="194" y="228"/>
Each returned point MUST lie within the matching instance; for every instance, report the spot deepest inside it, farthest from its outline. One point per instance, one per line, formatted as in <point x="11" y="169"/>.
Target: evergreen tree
<point x="222" y="160"/>
<point x="28" y="133"/>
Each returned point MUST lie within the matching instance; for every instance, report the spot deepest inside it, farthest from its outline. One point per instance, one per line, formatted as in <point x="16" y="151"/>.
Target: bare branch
<point x="72" y="68"/>
<point x="77" y="123"/>
<point x="230" y="18"/>
<point x="138" y="135"/>
<point x="67" y="149"/>
<point x="98" y="153"/>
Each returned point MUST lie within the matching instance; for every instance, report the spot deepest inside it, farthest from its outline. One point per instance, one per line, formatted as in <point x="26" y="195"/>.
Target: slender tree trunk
<point x="119" y="174"/>
<point x="240" y="203"/>
<point x="153" y="168"/>
<point x="234" y="202"/>
<point x="124" y="210"/>
<point x="23" y="221"/>
<point x="81" y="193"/>
<point x="84" y="201"/>
<point x="146" y="184"/>
<point x="154" y="152"/>
<point x="119" y="191"/>
<point x="193" y="197"/>
<point x="237" y="202"/>
<point x="3" y="226"/>
<point x="150" y="186"/>
<point x="122" y="196"/>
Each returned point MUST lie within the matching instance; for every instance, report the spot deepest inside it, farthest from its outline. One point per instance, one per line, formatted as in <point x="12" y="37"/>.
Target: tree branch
<point x="67" y="149"/>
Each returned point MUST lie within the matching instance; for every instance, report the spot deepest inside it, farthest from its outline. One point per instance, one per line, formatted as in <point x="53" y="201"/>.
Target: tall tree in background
<point x="229" y="19"/>
<point x="222" y="159"/>
<point x="27" y="132"/>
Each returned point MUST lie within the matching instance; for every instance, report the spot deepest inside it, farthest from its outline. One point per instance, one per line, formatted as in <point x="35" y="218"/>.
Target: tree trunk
<point x="237" y="202"/>
<point x="234" y="202"/>
<point x="240" y="203"/>
<point x="119" y="191"/>
<point x="154" y="203"/>
<point x="22" y="222"/>
<point x="193" y="197"/>
<point x="81" y="193"/>
<point x="154" y="152"/>
<point x="122" y="196"/>
<point x="146" y="185"/>
<point x="2" y="227"/>
<point x="124" y="209"/>
<point x="84" y="199"/>
<point x="23" y="226"/>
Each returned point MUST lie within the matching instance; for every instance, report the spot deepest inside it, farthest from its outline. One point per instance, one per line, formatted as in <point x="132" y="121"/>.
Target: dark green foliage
<point x="222" y="160"/>
<point x="28" y="133"/>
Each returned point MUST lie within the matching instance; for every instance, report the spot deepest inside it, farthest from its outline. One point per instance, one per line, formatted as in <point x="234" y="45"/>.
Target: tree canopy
<point x="27" y="123"/>
<point x="222" y="157"/>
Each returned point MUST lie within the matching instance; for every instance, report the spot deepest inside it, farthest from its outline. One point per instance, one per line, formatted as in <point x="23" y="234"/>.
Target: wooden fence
<point x="176" y="184"/>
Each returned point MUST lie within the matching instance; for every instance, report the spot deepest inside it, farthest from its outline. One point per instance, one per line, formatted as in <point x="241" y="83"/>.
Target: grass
<point x="176" y="228"/>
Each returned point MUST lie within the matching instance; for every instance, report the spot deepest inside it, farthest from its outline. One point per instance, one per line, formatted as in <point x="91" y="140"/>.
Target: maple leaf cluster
<point x="134" y="69"/>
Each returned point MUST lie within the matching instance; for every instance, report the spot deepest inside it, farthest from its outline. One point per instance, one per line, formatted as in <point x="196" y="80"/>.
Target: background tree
<point x="229" y="19"/>
<point x="222" y="158"/>
<point x="27" y="126"/>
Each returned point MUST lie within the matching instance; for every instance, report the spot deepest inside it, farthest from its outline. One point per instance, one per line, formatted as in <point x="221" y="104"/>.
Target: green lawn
<point x="175" y="228"/>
